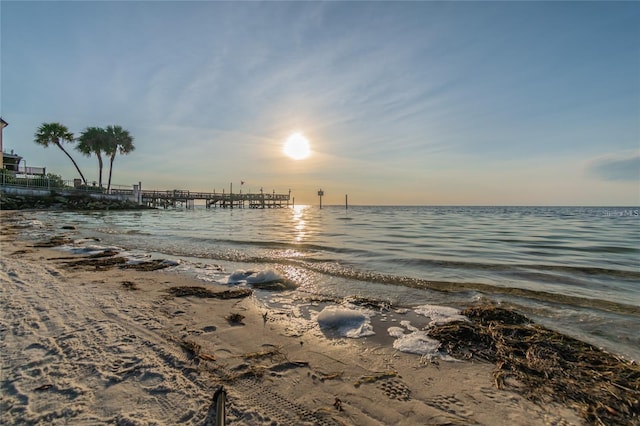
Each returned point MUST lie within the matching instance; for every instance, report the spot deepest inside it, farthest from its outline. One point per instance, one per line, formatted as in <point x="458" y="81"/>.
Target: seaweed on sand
<point x="203" y="292"/>
<point x="235" y="318"/>
<point x="109" y="259"/>
<point x="150" y="265"/>
<point x="129" y="285"/>
<point x="331" y="376"/>
<point x="273" y="352"/>
<point x="548" y="365"/>
<point x="370" y="303"/>
<point x="97" y="263"/>
<point x="100" y="260"/>
<point x="55" y="241"/>
<point x="193" y="349"/>
<point x="21" y="252"/>
<point x="254" y="367"/>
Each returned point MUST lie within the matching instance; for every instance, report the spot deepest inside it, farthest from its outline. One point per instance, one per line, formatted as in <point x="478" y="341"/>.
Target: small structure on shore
<point x="3" y="124"/>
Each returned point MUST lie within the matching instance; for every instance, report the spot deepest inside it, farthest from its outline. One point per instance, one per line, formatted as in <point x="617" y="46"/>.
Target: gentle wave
<point x="302" y="247"/>
<point x="595" y="249"/>
<point x="116" y="231"/>
<point x="456" y="286"/>
<point x="516" y="267"/>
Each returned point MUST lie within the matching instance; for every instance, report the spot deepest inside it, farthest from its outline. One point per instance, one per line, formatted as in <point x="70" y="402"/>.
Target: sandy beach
<point x="84" y="344"/>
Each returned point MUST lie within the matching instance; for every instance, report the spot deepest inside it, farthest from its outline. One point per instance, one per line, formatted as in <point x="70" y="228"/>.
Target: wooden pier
<point x="183" y="198"/>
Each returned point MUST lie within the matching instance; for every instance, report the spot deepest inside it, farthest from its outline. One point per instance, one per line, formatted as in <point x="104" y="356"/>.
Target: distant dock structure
<point x="184" y="198"/>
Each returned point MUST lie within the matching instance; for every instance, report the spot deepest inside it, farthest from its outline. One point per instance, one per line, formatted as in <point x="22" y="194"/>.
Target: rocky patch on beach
<point x="63" y="202"/>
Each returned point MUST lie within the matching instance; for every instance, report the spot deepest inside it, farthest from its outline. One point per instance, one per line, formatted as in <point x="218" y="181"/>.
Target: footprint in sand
<point x="151" y="379"/>
<point x="395" y="389"/>
<point x="451" y="405"/>
<point x="154" y="383"/>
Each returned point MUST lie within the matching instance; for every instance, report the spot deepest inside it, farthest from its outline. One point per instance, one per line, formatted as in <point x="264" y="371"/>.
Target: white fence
<point x="33" y="181"/>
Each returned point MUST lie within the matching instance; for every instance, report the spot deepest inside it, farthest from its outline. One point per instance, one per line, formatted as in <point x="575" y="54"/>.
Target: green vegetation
<point x="92" y="141"/>
<point x="55" y="134"/>
<point x="118" y="140"/>
<point x="6" y="177"/>
<point x="50" y="181"/>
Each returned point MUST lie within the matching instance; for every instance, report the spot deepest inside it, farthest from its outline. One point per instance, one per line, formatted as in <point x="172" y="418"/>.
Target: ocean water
<point x="574" y="269"/>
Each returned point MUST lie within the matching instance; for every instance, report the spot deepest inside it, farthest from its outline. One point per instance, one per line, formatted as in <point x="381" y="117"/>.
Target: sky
<point x="408" y="103"/>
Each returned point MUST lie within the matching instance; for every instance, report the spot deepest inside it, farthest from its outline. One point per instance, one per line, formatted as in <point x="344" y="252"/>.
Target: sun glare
<point x="297" y="146"/>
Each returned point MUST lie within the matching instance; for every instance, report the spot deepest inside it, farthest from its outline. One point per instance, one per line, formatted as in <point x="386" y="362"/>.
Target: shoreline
<point x="114" y="345"/>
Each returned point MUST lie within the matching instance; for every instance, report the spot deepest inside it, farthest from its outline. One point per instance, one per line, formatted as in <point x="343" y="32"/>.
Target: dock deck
<point x="178" y="198"/>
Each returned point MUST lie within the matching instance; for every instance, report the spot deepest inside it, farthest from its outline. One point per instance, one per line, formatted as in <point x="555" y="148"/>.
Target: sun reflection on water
<point x="299" y="223"/>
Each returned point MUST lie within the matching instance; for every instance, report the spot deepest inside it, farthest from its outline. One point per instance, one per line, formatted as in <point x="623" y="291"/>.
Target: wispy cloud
<point x="617" y="168"/>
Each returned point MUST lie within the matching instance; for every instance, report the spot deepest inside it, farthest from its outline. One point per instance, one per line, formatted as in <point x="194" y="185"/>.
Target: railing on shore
<point x="47" y="183"/>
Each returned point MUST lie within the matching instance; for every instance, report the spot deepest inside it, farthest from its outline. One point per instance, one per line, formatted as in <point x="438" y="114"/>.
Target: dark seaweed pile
<point x="197" y="291"/>
<point x="547" y="366"/>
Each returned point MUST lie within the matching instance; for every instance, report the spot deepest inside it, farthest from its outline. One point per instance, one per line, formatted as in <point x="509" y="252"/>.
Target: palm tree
<point x="118" y="140"/>
<point x="56" y="134"/>
<point x="94" y="141"/>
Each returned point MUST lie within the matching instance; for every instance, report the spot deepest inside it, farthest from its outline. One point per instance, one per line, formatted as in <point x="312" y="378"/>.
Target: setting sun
<point x="297" y="146"/>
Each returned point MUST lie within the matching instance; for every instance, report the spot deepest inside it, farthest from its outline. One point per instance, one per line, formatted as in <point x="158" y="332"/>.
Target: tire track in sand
<point x="70" y="356"/>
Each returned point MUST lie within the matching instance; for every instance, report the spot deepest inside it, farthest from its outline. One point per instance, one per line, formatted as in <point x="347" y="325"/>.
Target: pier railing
<point x="176" y="198"/>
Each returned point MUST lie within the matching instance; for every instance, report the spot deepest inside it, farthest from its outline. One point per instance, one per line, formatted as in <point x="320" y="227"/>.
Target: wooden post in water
<point x="346" y="201"/>
<point x="320" y="194"/>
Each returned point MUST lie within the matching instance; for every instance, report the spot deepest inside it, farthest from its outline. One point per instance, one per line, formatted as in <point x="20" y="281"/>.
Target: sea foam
<point x="239" y="276"/>
<point x="345" y="322"/>
<point x="440" y="314"/>
<point x="412" y="340"/>
<point x="415" y="342"/>
<point x="266" y="276"/>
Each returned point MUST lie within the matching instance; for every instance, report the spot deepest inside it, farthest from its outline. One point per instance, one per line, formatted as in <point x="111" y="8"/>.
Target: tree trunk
<point x="99" y="170"/>
<point x="73" y="161"/>
<point x="113" y="157"/>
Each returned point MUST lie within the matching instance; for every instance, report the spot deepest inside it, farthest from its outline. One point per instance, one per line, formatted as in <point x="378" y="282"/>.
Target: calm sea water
<point x="575" y="269"/>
